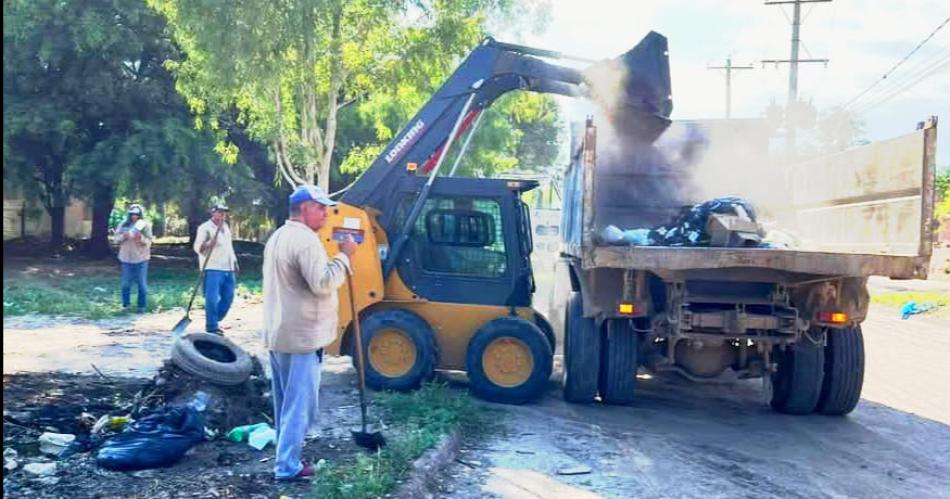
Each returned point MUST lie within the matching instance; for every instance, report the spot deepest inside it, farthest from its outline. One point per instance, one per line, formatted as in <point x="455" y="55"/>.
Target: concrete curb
<point x="424" y="471"/>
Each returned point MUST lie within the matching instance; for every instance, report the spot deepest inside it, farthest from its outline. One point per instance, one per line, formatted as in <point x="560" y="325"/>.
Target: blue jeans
<point x="295" y="385"/>
<point x="137" y="273"/>
<point x="219" y="294"/>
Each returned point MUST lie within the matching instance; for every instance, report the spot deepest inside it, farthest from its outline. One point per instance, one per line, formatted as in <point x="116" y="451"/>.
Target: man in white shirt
<point x="220" y="273"/>
<point x="300" y="319"/>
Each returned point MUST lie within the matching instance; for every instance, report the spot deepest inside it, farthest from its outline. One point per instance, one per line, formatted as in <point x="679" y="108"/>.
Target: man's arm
<point x="146" y="239"/>
<point x="200" y="239"/>
<point x="321" y="273"/>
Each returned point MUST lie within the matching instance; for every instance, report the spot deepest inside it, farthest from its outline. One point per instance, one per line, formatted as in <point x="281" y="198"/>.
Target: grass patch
<point x="98" y="295"/>
<point x="417" y="421"/>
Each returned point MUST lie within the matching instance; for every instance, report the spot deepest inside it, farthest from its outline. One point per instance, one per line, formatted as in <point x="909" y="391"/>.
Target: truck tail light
<point x="626" y="308"/>
<point x="833" y="317"/>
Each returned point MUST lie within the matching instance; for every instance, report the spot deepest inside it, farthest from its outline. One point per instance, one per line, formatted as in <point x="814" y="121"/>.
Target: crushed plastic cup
<point x="53" y="444"/>
<point x="261" y="437"/>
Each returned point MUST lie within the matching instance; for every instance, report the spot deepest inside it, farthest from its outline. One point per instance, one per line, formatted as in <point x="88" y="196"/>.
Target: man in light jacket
<point x="300" y="319"/>
<point x="134" y="237"/>
<point x="221" y="270"/>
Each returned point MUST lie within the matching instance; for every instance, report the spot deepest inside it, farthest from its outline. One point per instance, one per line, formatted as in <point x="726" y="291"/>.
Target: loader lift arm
<point x="491" y="70"/>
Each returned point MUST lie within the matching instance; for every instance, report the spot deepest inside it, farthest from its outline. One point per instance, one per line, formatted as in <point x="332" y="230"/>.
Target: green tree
<point x="290" y="67"/>
<point x="77" y="77"/>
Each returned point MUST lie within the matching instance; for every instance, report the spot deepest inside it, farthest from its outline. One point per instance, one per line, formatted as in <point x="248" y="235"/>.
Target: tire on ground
<point x="581" y="353"/>
<point x="796" y="385"/>
<point x="545" y="326"/>
<point x="618" y="362"/>
<point x="844" y="371"/>
<point x="212" y="357"/>
<point x="399" y="347"/>
<point x="508" y="361"/>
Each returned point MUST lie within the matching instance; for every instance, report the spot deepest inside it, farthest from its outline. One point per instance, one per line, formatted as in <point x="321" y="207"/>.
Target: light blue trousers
<point x="295" y="383"/>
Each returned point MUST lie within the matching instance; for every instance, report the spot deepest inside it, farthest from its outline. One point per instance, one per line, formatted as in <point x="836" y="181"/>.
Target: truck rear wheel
<point x="844" y="371"/>
<point x="618" y="362"/>
<point x="796" y="385"/>
<point x="581" y="353"/>
<point x="508" y="361"/>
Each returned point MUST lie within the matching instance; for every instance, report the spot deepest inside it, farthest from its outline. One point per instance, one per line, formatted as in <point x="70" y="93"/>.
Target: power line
<point x="894" y="81"/>
<point x="927" y="73"/>
<point x="898" y="64"/>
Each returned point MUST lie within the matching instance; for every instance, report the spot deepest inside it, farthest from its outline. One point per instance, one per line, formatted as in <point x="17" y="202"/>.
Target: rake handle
<point x="359" y="347"/>
<point x="201" y="274"/>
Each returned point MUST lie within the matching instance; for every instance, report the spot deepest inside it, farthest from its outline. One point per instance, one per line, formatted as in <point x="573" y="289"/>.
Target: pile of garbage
<point x="721" y="222"/>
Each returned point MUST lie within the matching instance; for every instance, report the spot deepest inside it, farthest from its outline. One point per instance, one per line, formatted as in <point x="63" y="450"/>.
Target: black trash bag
<point x="157" y="440"/>
<point x="689" y="227"/>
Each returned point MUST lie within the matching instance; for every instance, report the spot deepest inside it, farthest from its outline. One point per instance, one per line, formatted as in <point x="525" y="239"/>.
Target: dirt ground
<point x="37" y="402"/>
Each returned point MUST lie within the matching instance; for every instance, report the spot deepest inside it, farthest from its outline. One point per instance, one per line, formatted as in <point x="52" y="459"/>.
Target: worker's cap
<point x="310" y="193"/>
<point x="135" y="210"/>
<point x="220" y="207"/>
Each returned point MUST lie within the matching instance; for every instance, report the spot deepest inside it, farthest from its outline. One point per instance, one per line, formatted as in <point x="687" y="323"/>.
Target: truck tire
<point x="844" y="371"/>
<point x="400" y="350"/>
<point x="796" y="385"/>
<point x="581" y="354"/>
<point x="618" y="362"/>
<point x="212" y="357"/>
<point x="508" y="361"/>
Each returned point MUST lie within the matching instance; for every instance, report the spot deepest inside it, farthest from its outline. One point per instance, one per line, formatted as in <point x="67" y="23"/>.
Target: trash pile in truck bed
<point x="722" y="222"/>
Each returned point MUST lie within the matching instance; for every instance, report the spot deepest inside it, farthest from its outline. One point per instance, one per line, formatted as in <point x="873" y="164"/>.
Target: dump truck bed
<point x="862" y="212"/>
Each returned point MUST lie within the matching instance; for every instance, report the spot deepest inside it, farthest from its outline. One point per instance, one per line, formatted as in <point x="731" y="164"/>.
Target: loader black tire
<point x="844" y="371"/>
<point x="509" y="361"/>
<point x="581" y="354"/>
<point x="618" y="362"/>
<point x="408" y="333"/>
<point x="212" y="357"/>
<point x="796" y="385"/>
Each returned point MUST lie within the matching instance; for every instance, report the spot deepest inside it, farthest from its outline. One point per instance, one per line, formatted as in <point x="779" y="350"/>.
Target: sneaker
<point x="215" y="331"/>
<point x="305" y="473"/>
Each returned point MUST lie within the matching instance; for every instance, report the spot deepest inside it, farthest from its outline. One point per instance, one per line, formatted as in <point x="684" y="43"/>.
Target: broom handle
<point x="359" y="346"/>
<point x="201" y="274"/>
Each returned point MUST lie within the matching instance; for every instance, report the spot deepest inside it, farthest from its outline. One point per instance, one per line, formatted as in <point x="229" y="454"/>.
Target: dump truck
<point x="790" y="316"/>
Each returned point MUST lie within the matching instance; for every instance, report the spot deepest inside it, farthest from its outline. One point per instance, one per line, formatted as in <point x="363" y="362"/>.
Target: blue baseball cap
<point x="310" y="193"/>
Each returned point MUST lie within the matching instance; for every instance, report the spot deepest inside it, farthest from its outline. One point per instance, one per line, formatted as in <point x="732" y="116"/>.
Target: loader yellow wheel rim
<point x="392" y="353"/>
<point x="507" y="362"/>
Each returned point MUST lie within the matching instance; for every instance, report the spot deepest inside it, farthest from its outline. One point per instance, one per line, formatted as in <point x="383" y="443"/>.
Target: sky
<point x="862" y="39"/>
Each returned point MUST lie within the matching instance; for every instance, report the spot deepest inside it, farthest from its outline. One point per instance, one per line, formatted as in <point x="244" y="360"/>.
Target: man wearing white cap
<point x="300" y="319"/>
<point x="134" y="237"/>
<point x="214" y="236"/>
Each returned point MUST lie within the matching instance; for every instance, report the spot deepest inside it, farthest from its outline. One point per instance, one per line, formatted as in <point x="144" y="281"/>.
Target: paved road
<point x="686" y="440"/>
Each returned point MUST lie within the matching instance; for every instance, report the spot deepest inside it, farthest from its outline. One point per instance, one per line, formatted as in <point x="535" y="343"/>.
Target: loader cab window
<point x="460" y="236"/>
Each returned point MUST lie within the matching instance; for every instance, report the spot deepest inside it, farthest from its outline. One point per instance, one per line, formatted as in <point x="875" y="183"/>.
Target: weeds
<point x="417" y="421"/>
<point x="98" y="296"/>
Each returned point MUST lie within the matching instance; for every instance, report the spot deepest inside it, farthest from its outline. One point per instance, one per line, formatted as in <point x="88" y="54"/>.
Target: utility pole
<point x="729" y="67"/>
<point x="793" y="61"/>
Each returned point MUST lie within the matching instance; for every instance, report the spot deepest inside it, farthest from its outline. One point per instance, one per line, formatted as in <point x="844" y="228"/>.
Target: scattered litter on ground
<point x="156" y="440"/>
<point x="40" y="469"/>
<point x="53" y="444"/>
<point x="574" y="470"/>
<point x="913" y="308"/>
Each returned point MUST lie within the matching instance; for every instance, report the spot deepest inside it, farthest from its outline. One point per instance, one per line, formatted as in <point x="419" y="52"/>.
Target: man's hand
<point x="348" y="246"/>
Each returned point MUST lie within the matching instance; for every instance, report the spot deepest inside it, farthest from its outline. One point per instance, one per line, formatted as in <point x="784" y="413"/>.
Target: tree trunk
<point x="102" y="204"/>
<point x="196" y="217"/>
<point x="159" y="229"/>
<point x="57" y="216"/>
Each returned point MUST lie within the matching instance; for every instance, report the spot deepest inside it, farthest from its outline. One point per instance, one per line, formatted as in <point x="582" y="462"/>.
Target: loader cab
<point x="471" y="243"/>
